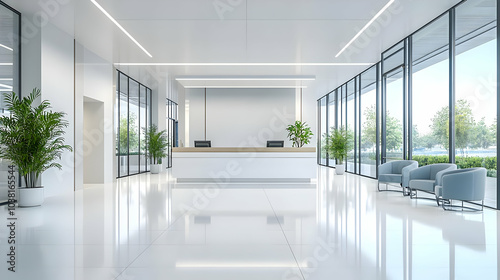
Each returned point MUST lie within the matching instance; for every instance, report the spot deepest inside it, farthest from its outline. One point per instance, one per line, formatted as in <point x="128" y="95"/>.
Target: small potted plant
<point x="339" y="144"/>
<point x="157" y="146"/>
<point x="31" y="138"/>
<point x="299" y="133"/>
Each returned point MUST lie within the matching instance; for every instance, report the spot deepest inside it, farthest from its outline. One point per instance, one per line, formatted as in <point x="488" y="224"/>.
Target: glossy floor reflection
<point x="148" y="227"/>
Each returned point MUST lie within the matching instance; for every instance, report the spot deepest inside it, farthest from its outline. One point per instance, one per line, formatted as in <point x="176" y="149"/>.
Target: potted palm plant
<point x="299" y="133"/>
<point x="31" y="138"/>
<point x="157" y="146"/>
<point x="339" y="144"/>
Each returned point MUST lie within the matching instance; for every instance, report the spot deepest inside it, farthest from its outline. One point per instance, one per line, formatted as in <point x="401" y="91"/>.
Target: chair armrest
<point x="405" y="172"/>
<point x="420" y="173"/>
<point x="458" y="184"/>
<point x="385" y="168"/>
<point x="439" y="175"/>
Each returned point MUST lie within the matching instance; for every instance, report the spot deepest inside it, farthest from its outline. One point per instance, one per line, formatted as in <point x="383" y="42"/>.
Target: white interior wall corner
<point x="57" y="72"/>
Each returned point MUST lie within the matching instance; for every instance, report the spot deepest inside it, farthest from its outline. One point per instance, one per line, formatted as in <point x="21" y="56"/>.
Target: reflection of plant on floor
<point x="129" y="139"/>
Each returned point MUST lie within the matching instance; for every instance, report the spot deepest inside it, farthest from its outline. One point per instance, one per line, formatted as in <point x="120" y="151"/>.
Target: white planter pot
<point x="339" y="169"/>
<point x="29" y="197"/>
<point x="155" y="168"/>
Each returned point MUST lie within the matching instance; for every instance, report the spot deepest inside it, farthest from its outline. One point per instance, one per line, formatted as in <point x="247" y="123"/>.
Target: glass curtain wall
<point x="476" y="93"/>
<point x="323" y="131"/>
<point x="332" y="103"/>
<point x="412" y="108"/>
<point x="368" y="123"/>
<point x="430" y="92"/>
<point x="171" y="129"/>
<point x="10" y="72"/>
<point x="351" y="123"/>
<point x="394" y="103"/>
<point x="133" y="116"/>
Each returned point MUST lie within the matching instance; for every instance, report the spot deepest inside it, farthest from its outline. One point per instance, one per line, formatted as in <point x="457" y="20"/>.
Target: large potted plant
<point x="157" y="146"/>
<point x="31" y="138"/>
<point x="339" y="144"/>
<point x="299" y="133"/>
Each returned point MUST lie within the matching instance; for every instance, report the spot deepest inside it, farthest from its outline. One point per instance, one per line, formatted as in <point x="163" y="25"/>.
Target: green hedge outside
<point x="490" y="163"/>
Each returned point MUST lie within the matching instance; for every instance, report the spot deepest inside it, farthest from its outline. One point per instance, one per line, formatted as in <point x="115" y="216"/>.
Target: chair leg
<point x="413" y="194"/>
<point x="461" y="207"/>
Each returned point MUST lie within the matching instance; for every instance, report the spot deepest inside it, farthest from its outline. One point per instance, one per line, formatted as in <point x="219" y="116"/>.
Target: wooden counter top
<point x="243" y="150"/>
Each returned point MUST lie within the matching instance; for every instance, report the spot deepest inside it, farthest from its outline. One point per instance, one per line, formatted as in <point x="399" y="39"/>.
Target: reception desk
<point x="244" y="164"/>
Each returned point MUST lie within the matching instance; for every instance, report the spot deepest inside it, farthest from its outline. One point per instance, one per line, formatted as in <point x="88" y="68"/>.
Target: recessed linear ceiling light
<point x="365" y="27"/>
<point x="6" y="86"/>
<point x="247" y="78"/>
<point x="6" y="64"/>
<point x="6" y="79"/>
<point x="236" y="265"/>
<point x="245" y="86"/>
<point x="119" y="26"/>
<point x="243" y="64"/>
<point x="5" y="47"/>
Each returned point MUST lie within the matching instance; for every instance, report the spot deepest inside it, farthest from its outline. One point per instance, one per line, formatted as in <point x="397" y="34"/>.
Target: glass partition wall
<point x="10" y="72"/>
<point x="172" y="126"/>
<point x="133" y="115"/>
<point x="432" y="98"/>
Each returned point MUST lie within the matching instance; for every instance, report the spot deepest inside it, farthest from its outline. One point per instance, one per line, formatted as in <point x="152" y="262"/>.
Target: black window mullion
<point x="498" y="103"/>
<point x="410" y="97"/>
<point x="452" y="70"/>
<point x="118" y="121"/>
<point x="128" y="126"/>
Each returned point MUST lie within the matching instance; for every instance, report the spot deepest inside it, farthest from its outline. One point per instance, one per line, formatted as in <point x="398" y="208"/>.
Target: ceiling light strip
<point x="236" y="265"/>
<point x="6" y="86"/>
<point x="243" y="64"/>
<point x="119" y="26"/>
<point x="5" y="47"/>
<point x="309" y="78"/>
<point x="245" y="86"/>
<point x="366" y="26"/>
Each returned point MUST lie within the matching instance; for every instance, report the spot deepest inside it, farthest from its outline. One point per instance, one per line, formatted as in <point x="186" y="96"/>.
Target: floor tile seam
<point x="149" y="245"/>
<point x="284" y="235"/>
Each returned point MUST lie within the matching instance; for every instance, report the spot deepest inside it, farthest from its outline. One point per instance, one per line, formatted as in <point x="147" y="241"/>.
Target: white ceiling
<point x="250" y="31"/>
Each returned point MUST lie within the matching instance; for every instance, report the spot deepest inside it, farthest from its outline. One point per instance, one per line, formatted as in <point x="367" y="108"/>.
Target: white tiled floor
<point x="148" y="227"/>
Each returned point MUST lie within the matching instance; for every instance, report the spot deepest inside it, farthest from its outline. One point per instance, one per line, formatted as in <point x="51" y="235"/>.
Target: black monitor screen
<point x="202" y="144"/>
<point x="275" y="144"/>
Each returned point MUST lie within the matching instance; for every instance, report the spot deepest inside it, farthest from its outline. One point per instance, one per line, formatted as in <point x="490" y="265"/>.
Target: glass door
<point x="393" y="115"/>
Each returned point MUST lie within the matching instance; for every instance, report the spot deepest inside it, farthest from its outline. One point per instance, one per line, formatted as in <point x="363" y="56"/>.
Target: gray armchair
<point x="465" y="185"/>
<point x="396" y="172"/>
<point x="425" y="178"/>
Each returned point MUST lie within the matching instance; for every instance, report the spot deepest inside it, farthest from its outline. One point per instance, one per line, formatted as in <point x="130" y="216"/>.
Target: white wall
<point x="58" y="87"/>
<point x="239" y="117"/>
<point x="94" y="81"/>
<point x="93" y="151"/>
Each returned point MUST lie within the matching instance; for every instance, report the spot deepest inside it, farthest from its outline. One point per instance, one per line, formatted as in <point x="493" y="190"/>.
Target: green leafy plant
<point x="32" y="136"/>
<point x="299" y="133"/>
<point x="157" y="143"/>
<point x="339" y="144"/>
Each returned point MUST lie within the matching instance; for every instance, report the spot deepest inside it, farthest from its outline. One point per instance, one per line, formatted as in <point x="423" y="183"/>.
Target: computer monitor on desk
<point x="275" y="144"/>
<point x="202" y="144"/>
